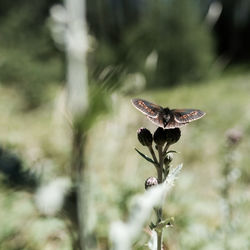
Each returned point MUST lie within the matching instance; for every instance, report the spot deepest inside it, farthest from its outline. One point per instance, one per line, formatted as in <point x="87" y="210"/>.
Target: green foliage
<point x="172" y="29"/>
<point x="29" y="75"/>
<point x="97" y="106"/>
<point x="175" y="31"/>
<point x="29" y="60"/>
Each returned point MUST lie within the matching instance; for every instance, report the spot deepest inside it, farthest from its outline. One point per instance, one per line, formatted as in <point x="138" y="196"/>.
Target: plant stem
<point x="159" y="240"/>
<point x="165" y="149"/>
<point x="77" y="175"/>
<point x="158" y="169"/>
<point x="159" y="210"/>
<point x="77" y="86"/>
<point x="153" y="154"/>
<point x="160" y="154"/>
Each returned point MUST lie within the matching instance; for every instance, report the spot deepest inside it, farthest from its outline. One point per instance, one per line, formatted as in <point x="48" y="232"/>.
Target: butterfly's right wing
<point x="147" y="108"/>
<point x="187" y="115"/>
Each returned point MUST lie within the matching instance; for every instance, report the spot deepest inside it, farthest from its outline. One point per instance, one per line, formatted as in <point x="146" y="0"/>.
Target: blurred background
<point x="176" y="53"/>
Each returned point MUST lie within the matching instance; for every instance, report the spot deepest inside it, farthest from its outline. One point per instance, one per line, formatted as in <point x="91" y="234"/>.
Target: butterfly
<point x="165" y="117"/>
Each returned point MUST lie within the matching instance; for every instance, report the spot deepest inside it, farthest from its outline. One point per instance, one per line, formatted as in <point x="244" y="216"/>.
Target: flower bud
<point x="172" y="135"/>
<point x="234" y="136"/>
<point x="144" y="136"/>
<point x="168" y="159"/>
<point x="160" y="136"/>
<point x="151" y="181"/>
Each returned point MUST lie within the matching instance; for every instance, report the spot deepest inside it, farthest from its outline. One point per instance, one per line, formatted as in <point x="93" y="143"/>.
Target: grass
<point x="42" y="139"/>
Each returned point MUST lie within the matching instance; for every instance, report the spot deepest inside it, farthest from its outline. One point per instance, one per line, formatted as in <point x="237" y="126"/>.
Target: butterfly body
<point x="165" y="117"/>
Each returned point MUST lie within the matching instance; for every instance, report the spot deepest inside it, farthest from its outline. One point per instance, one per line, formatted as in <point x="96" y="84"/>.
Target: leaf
<point x="171" y="151"/>
<point x="165" y="223"/>
<point x="145" y="156"/>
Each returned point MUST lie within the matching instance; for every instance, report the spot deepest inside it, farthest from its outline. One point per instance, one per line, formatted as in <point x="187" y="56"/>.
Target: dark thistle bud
<point x="172" y="135"/>
<point x="144" y="136"/>
<point x="168" y="159"/>
<point x="160" y="136"/>
<point x="234" y="136"/>
<point x="151" y="181"/>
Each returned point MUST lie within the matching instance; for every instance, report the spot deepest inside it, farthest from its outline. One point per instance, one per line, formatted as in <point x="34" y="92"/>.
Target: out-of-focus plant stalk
<point x="234" y="136"/>
<point x="76" y="49"/>
<point x="69" y="28"/>
<point x="77" y="101"/>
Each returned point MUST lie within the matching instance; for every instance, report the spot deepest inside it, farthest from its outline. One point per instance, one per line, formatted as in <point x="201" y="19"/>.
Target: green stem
<point x="153" y="154"/>
<point x="78" y="171"/>
<point x="159" y="240"/>
<point x="165" y="149"/>
<point x="158" y="169"/>
<point x="160" y="154"/>
<point x="159" y="210"/>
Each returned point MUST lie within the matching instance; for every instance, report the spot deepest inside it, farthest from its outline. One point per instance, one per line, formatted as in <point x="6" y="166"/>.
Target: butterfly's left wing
<point x="157" y="121"/>
<point x="187" y="115"/>
<point x="147" y="108"/>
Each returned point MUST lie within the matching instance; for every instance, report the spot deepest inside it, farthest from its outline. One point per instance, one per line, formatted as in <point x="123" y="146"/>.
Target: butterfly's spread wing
<point x="147" y="108"/>
<point x="157" y="121"/>
<point x="171" y="124"/>
<point x="187" y="115"/>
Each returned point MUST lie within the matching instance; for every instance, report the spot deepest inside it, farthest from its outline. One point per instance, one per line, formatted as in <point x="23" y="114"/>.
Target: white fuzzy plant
<point x="69" y="29"/>
<point x="123" y="234"/>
